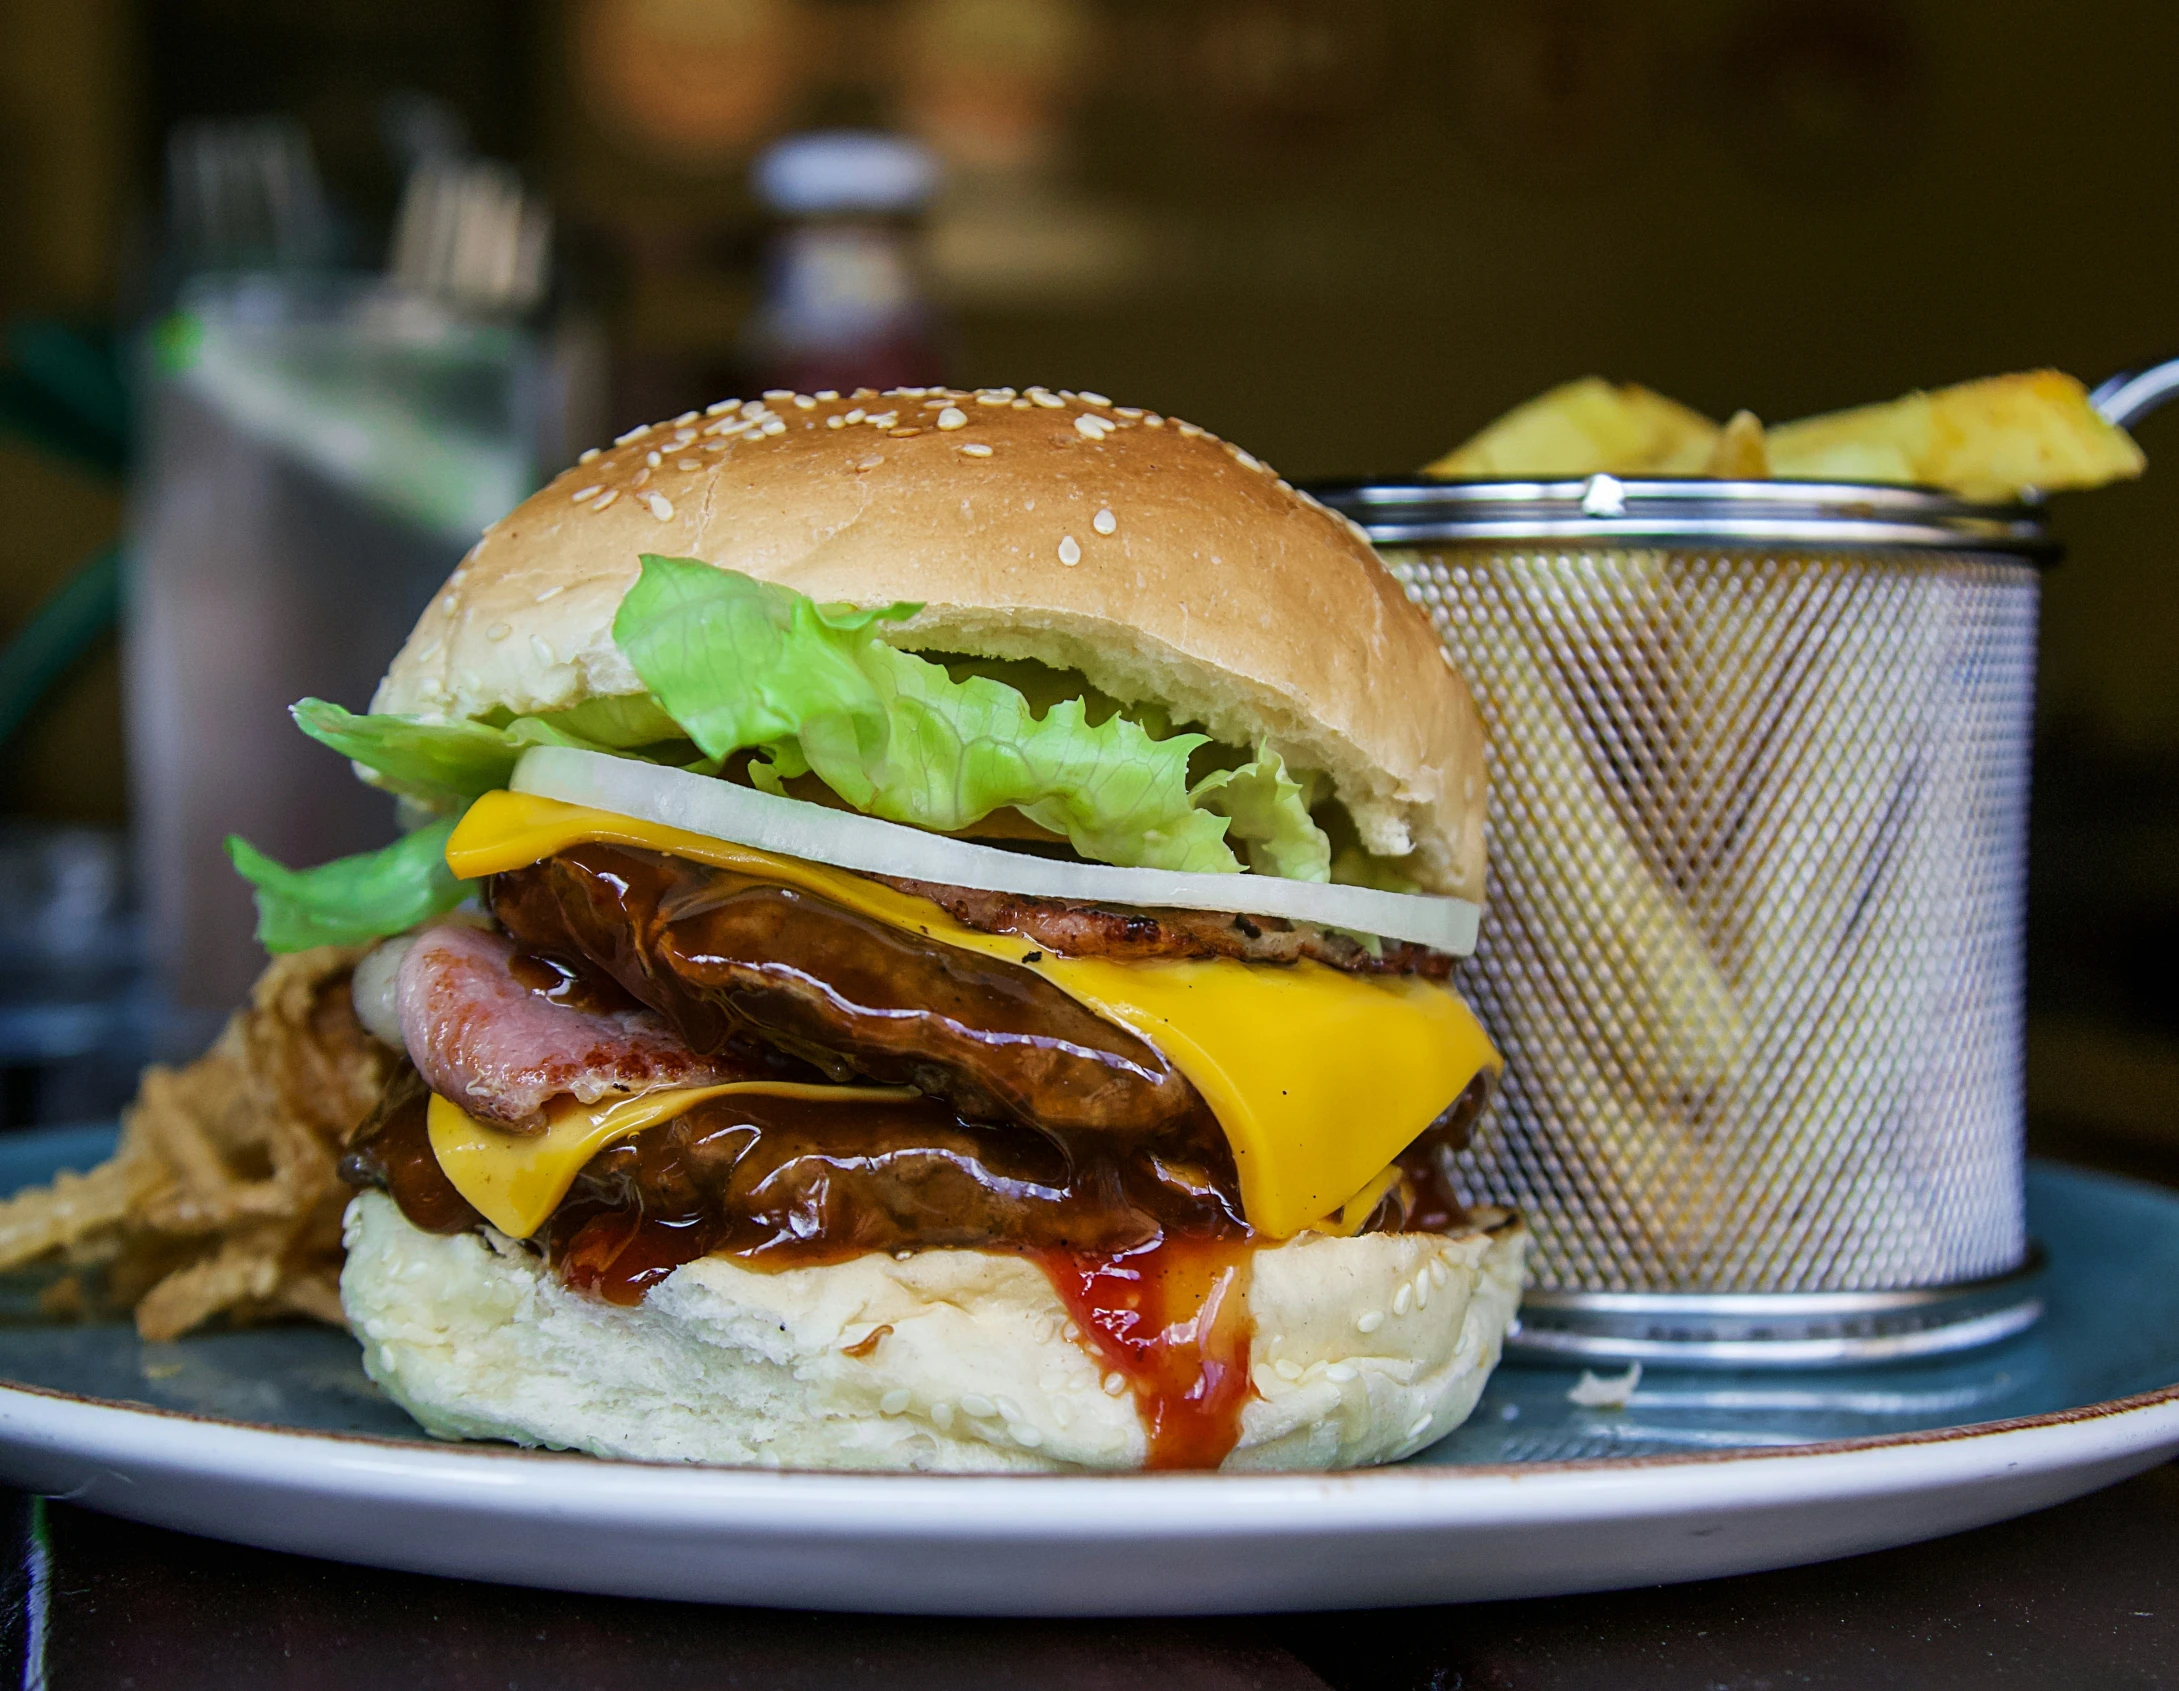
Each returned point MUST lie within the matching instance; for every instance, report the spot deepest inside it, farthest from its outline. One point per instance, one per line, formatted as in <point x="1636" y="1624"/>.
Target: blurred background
<point x="296" y="297"/>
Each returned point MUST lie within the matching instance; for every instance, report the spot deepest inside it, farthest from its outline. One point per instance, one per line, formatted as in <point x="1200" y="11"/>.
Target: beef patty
<point x="719" y="955"/>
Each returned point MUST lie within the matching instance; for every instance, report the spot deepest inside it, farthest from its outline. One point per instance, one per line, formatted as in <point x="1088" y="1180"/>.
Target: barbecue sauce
<point x="1170" y="1317"/>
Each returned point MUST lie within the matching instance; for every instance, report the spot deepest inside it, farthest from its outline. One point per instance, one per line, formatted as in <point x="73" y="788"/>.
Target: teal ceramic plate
<point x="275" y="1437"/>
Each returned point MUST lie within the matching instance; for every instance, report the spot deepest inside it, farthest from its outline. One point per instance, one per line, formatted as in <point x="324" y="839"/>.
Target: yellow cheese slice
<point x="1318" y="1078"/>
<point x="516" y="1180"/>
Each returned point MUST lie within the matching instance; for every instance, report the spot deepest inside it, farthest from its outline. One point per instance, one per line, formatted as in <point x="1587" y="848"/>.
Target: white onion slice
<point x="702" y="804"/>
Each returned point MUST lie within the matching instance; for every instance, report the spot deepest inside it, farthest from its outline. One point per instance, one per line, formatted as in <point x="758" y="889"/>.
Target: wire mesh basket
<point x="1759" y="762"/>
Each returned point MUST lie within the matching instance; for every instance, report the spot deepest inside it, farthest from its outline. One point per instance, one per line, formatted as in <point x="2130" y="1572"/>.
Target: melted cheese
<point x="1318" y="1079"/>
<point x="516" y="1180"/>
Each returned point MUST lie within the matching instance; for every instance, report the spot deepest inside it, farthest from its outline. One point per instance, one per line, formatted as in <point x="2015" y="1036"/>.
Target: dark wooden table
<point x="2083" y="1596"/>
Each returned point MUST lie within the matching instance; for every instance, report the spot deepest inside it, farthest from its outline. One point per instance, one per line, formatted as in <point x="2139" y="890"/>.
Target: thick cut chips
<point x="1996" y="439"/>
<point x="1992" y="439"/>
<point x="1584" y="427"/>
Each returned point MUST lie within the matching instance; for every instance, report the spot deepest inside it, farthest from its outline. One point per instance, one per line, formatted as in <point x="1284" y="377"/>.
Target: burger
<point x="923" y="942"/>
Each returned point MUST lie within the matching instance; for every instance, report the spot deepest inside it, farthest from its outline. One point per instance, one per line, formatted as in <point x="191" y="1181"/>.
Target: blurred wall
<point x="67" y="175"/>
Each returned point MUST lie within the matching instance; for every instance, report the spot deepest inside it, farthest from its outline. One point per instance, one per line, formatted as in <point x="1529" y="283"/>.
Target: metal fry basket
<point x="1758" y="835"/>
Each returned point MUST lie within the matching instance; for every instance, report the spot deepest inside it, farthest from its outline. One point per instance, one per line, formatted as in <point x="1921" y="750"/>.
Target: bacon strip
<point x="503" y="1049"/>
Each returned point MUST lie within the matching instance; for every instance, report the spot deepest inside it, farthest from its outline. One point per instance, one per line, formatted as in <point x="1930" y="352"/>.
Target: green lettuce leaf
<point x="445" y="764"/>
<point x="351" y="900"/>
<point x="1269" y="813"/>
<point x="743" y="664"/>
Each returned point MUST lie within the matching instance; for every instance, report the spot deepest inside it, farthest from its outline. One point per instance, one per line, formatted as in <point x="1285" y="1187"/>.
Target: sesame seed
<point x="1071" y="1333"/>
<point x="1094" y="427"/>
<point x="590" y="492"/>
<point x="994" y="396"/>
<point x="499" y="631"/>
<point x="1403" y="1300"/>
<point x="1240" y="457"/>
<point x="1115" y="1383"/>
<point x="1419" y="1428"/>
<point x="828" y="394"/>
<point x="641" y="476"/>
<point x="681" y="437"/>
<point x="685" y="417"/>
<point x="953" y="417"/>
<point x="803" y="402"/>
<point x="902" y="434"/>
<point x="1089" y="398"/>
<point x="1019" y="405"/>
<point x="1070" y="549"/>
<point x="661" y="506"/>
<point x="882" y="419"/>
<point x="772" y="425"/>
<point x="1130" y="412"/>
<point x="1437" y="1270"/>
<point x="942" y="1415"/>
<point x="720" y="407"/>
<point x="870" y="462"/>
<point x="1104" y="522"/>
<point x="779" y="393"/>
<point x="589" y="452"/>
<point x="835" y="421"/>
<point x="975" y="1403"/>
<point x="725" y="426"/>
<point x="1370" y="1322"/>
<point x="636" y="433"/>
<point x="1008" y="1409"/>
<point x="1422" y="1288"/>
<point x="606" y="498"/>
<point x="1026" y="1435"/>
<point x="894" y="1402"/>
<point x="552" y="592"/>
<point x="1286" y="1368"/>
<point x="976" y="449"/>
<point x="689" y="464"/>
<point x="1191" y="430"/>
<point x="1046" y="398"/>
<point x="902" y="1256"/>
<point x="1340" y="1372"/>
<point x="429" y="649"/>
<point x="1153" y="421"/>
<point x="856" y="415"/>
<point x="543" y="651"/>
<point x="755" y="408"/>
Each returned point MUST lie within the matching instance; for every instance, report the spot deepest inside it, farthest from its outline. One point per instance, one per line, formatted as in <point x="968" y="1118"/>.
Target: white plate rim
<point x="1029" y="1544"/>
<point x="42" y="1418"/>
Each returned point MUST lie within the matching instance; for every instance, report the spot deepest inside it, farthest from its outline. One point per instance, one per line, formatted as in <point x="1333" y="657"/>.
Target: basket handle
<point x="2131" y="395"/>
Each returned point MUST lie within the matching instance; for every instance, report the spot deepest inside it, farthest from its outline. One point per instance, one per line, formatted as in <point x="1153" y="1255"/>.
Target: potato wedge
<point x="1742" y="452"/>
<point x="1585" y="427"/>
<point x="1992" y="439"/>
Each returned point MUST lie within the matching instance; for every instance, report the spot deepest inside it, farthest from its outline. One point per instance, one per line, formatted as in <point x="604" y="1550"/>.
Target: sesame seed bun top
<point x="1156" y="559"/>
